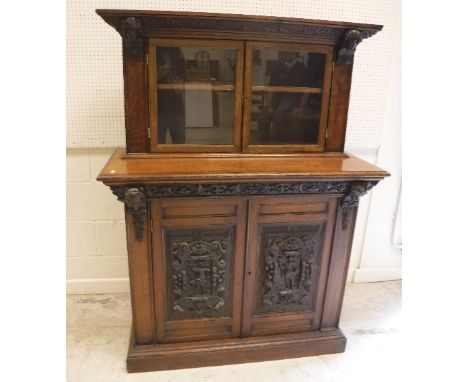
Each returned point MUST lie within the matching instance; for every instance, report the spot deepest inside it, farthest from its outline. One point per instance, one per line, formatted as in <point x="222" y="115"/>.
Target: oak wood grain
<point x="235" y="168"/>
<point x="339" y="103"/>
<point x="136" y="104"/>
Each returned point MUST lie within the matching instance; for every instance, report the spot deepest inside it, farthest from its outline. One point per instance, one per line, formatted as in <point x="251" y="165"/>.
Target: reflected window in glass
<point x="286" y="96"/>
<point x="195" y="95"/>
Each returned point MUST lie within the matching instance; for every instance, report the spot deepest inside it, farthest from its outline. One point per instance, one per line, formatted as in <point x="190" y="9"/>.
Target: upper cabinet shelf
<point x="245" y="84"/>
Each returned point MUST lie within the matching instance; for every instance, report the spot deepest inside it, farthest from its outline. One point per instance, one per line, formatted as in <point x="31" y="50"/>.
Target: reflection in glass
<point x="286" y="97"/>
<point x="195" y="95"/>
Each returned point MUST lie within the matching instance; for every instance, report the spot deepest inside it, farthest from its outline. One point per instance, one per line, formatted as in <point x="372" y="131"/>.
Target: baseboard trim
<point x="97" y="286"/>
<point x="370" y="275"/>
<point x="350" y="276"/>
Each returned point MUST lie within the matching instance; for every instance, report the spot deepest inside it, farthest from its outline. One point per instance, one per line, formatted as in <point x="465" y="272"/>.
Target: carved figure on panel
<point x="199" y="260"/>
<point x="291" y="261"/>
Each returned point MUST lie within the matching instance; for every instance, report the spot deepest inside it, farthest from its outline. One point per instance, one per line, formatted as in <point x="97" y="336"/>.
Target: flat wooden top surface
<point x="152" y="168"/>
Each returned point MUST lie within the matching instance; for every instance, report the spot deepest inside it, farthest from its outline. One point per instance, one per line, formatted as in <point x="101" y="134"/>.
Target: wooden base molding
<point x="233" y="351"/>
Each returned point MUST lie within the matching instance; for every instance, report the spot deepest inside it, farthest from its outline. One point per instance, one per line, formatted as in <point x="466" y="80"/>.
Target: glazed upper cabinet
<point x="201" y="100"/>
<point x="231" y="84"/>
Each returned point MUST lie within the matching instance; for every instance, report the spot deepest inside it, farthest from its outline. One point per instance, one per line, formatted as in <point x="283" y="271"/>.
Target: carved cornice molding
<point x="135" y="204"/>
<point x="351" y="199"/>
<point x="154" y="24"/>
<point x="150" y="25"/>
<point x="132" y="41"/>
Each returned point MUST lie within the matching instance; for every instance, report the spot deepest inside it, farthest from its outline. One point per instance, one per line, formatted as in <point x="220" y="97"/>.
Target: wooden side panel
<point x="339" y="102"/>
<point x="141" y="292"/>
<point x="286" y="263"/>
<point x="341" y="253"/>
<point x="136" y="103"/>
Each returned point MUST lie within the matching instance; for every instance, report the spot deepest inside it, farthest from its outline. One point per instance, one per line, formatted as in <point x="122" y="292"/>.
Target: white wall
<point x="96" y="248"/>
<point x="96" y="244"/>
<point x="380" y="257"/>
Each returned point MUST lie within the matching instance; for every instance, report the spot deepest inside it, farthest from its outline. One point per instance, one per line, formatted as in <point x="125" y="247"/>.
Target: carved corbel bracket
<point x="347" y="46"/>
<point x="130" y="29"/>
<point x="135" y="203"/>
<point x="351" y="199"/>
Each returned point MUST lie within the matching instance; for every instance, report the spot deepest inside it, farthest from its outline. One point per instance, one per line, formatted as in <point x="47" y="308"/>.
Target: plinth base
<point x="234" y="350"/>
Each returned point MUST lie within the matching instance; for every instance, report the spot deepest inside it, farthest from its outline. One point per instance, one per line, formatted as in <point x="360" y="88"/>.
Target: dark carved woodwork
<point x="199" y="268"/>
<point x="135" y="202"/>
<point x="277" y="27"/>
<point x="351" y="199"/>
<point x="231" y="189"/>
<point x="353" y="191"/>
<point x="290" y="262"/>
<point x="132" y="41"/>
<point x="347" y="46"/>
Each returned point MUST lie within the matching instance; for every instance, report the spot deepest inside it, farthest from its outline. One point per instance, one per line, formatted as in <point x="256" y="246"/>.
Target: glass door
<point x="195" y="95"/>
<point x="287" y="90"/>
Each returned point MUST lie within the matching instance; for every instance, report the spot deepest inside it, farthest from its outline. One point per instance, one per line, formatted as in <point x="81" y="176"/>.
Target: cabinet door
<point x="195" y="95"/>
<point x="198" y="257"/>
<point x="288" y="251"/>
<point x="287" y="91"/>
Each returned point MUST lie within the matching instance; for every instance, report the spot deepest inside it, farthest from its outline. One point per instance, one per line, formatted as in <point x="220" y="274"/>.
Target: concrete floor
<point x="98" y="328"/>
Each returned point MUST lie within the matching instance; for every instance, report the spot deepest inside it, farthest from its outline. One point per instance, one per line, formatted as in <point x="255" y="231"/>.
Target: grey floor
<point x="98" y="328"/>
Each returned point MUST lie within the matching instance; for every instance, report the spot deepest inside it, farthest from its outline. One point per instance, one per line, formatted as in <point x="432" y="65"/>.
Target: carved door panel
<point x="287" y="261"/>
<point x="198" y="257"/>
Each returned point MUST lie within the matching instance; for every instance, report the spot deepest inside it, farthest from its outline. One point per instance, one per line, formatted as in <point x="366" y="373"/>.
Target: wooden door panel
<point x="287" y="262"/>
<point x="198" y="249"/>
<point x="289" y="254"/>
<point x="199" y="268"/>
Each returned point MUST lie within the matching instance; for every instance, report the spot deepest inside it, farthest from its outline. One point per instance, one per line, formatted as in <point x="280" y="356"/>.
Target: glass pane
<point x="195" y="95"/>
<point x="286" y="96"/>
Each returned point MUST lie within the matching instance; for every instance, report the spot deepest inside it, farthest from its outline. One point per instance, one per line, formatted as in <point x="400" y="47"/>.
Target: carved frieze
<point x="231" y="189"/>
<point x="151" y="25"/>
<point x="352" y="191"/>
<point x="246" y="189"/>
<point x="199" y="269"/>
<point x="289" y="263"/>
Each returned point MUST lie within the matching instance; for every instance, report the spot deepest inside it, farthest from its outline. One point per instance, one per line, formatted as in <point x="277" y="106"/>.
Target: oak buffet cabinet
<point x="240" y="203"/>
